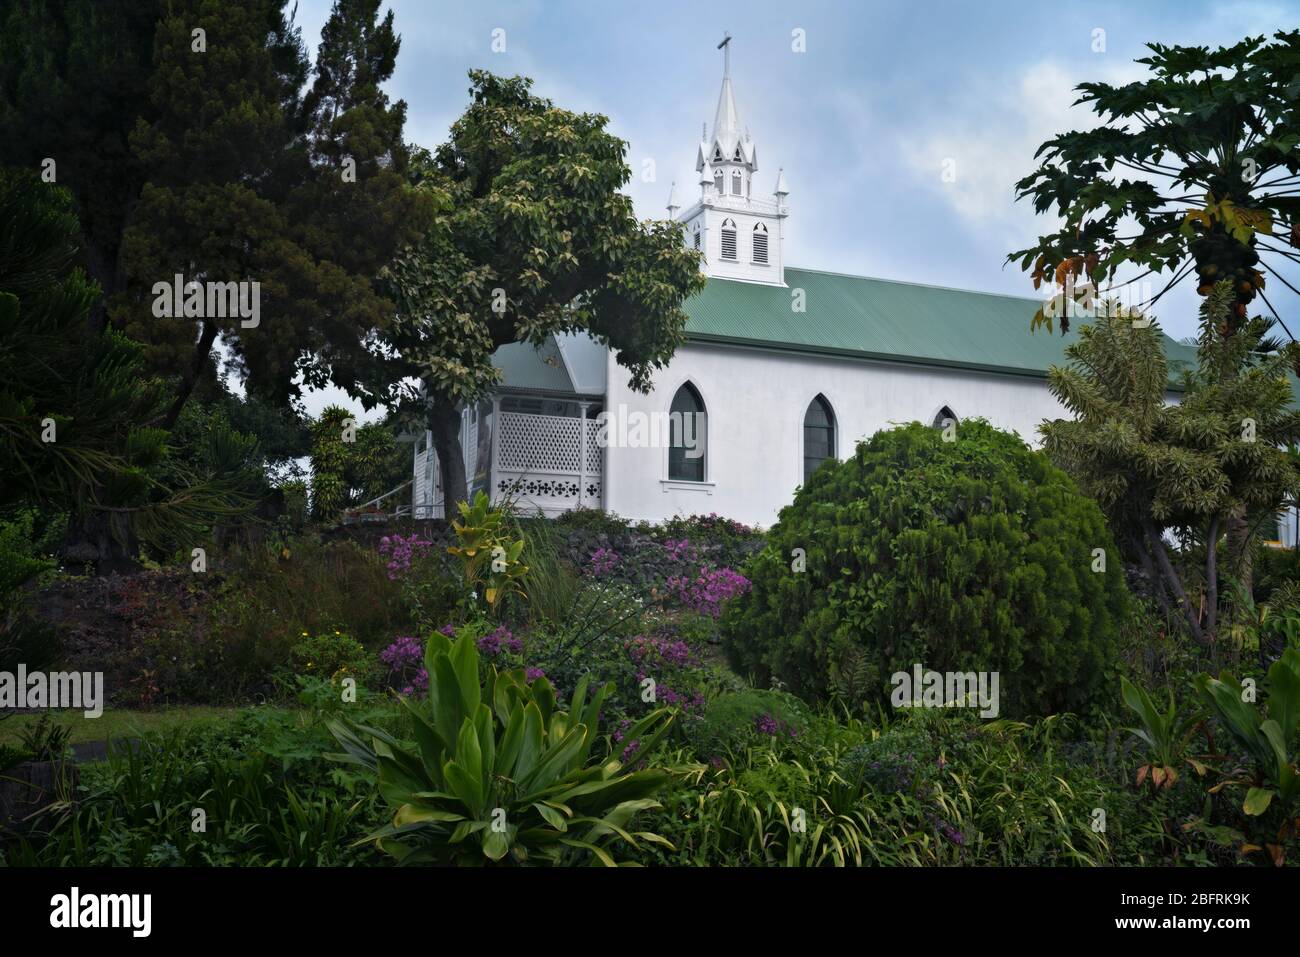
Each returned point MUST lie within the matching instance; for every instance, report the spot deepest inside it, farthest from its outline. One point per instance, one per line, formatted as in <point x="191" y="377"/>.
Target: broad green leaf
<point x="1257" y="801"/>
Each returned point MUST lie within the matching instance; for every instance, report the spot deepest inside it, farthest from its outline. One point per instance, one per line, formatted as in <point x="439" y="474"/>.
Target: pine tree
<point x="75" y="408"/>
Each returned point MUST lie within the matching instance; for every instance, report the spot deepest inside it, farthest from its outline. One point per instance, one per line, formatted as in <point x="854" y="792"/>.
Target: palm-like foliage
<point x="1155" y="467"/>
<point x="1165" y="733"/>
<point x="498" y="774"/>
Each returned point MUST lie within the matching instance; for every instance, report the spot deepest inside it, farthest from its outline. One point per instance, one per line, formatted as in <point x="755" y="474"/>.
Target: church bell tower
<point x="739" y="232"/>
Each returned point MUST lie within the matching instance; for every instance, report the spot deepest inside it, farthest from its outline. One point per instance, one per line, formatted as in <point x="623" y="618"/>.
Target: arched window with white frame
<point x="737" y="184"/>
<point x="717" y="181"/>
<point x="688" y="426"/>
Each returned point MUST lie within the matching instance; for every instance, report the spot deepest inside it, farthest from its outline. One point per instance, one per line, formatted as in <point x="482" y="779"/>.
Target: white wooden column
<point x="495" y="445"/>
<point x="582" y="460"/>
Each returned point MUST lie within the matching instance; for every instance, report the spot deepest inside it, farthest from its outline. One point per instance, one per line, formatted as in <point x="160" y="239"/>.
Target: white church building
<point x="783" y="367"/>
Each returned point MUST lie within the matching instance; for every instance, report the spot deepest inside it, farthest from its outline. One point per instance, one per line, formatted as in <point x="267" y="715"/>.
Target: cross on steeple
<point x="725" y="47"/>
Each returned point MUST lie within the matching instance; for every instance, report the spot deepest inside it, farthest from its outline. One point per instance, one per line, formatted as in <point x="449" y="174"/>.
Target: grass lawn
<point x="118" y="722"/>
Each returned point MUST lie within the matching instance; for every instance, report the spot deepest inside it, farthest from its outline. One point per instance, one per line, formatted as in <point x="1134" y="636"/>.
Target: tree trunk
<point x="1212" y="578"/>
<point x="1238" y="526"/>
<point x="202" y="349"/>
<point x="1175" y="584"/>
<point x="105" y="540"/>
<point x="444" y="423"/>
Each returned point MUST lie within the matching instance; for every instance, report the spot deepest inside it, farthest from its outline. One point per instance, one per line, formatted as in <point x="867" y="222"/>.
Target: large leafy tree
<point x="235" y="168"/>
<point x="532" y="237"/>
<point x="1194" y="170"/>
<point x="350" y="463"/>
<point x="1186" y="468"/>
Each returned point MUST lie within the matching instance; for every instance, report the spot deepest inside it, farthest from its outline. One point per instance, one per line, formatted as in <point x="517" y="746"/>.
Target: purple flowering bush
<point x="429" y="590"/>
<point x="603" y="562"/>
<point x="405" y="661"/>
<point x="400" y="552"/>
<point x="705" y="592"/>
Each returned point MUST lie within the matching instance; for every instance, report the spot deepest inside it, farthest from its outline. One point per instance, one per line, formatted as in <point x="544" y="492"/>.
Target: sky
<point x="862" y="120"/>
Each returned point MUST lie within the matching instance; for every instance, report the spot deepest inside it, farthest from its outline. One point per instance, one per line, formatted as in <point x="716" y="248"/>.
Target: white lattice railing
<point x="540" y="461"/>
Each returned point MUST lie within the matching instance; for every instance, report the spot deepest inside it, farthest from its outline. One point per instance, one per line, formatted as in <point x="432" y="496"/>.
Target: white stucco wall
<point x="756" y="401"/>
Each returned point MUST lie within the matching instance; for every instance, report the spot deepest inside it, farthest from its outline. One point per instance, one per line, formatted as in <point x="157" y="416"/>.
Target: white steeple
<point x="673" y="205"/>
<point x="726" y="121"/>
<point x="739" y="236"/>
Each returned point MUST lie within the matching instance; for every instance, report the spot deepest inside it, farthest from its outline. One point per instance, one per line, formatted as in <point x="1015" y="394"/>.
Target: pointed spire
<point x="673" y="205"/>
<point x="726" y="120"/>
<point x="781" y="190"/>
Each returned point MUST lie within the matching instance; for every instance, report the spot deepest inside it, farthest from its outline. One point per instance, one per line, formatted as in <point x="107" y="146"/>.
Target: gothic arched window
<point x="717" y="181"/>
<point x="943" y="417"/>
<point x="728" y="239"/>
<point x="760" y="244"/>
<point x="687" y="435"/>
<point x="697" y="235"/>
<point x="736" y="183"/>
<point x="818" y="435"/>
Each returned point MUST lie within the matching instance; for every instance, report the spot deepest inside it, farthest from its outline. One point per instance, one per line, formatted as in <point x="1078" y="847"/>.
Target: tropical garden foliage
<point x="507" y="690"/>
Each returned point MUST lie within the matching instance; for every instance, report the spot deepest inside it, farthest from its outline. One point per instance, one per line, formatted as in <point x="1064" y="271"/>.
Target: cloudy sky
<point x="862" y="121"/>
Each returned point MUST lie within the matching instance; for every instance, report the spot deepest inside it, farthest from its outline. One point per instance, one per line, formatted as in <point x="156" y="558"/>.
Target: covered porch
<point x="534" y="443"/>
<point x="540" y="455"/>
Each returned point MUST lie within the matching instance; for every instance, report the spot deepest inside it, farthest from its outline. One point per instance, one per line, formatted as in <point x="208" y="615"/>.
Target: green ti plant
<point x="1268" y="736"/>
<point x="498" y="774"/>
<point x="1165" y="734"/>
<point x="489" y="555"/>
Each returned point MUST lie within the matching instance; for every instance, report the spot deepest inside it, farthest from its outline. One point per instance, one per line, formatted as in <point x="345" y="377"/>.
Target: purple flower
<point x="681" y="551"/>
<point x="659" y="650"/>
<point x="532" y="674"/>
<point x="400" y="552"/>
<point x="603" y="561"/>
<point x="706" y="592"/>
<point x="766" y="724"/>
<point x="405" y="657"/>
<point x="492" y="644"/>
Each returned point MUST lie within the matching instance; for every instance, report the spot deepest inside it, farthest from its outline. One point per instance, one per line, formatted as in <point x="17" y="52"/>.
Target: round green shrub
<point x="975" y="554"/>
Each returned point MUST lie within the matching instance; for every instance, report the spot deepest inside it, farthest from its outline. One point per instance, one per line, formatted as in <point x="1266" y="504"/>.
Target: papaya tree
<point x="1193" y="171"/>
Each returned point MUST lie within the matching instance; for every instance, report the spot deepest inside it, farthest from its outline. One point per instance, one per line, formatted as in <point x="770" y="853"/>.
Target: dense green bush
<point x="20" y="551"/>
<point x="734" y="722"/>
<point x="950" y="790"/>
<point x="270" y="796"/>
<point x="592" y="520"/>
<point x="968" y="555"/>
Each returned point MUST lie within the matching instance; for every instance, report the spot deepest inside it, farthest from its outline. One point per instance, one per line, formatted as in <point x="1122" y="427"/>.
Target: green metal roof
<point x="533" y="369"/>
<point x="886" y="320"/>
